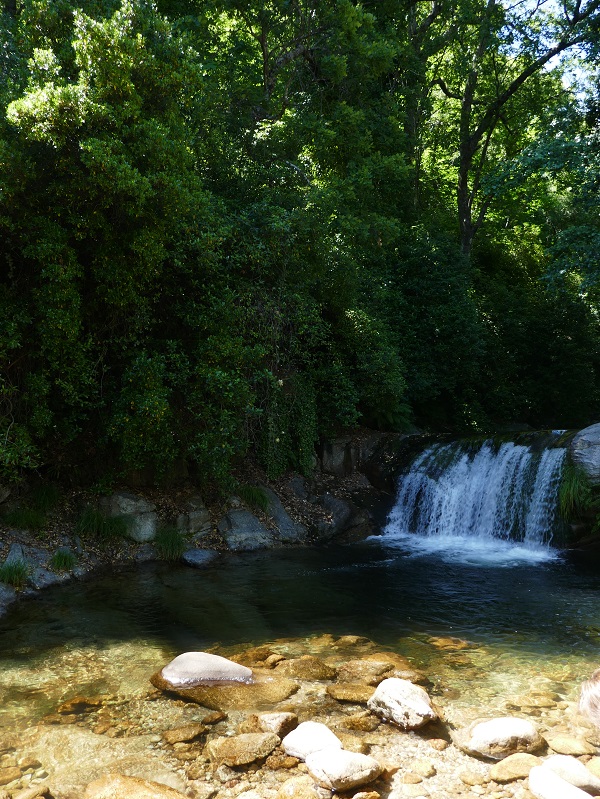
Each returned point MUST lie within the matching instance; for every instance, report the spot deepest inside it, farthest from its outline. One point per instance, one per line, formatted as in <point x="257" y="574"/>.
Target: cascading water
<point x="492" y="503"/>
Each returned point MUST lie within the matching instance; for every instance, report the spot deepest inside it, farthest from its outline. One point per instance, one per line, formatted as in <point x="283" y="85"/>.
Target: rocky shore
<point x="339" y="502"/>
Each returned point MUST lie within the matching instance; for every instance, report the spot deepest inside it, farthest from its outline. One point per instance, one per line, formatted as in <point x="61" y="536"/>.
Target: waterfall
<point x="493" y="501"/>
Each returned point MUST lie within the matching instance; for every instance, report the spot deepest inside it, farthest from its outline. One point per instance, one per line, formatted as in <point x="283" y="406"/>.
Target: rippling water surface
<point x="525" y="625"/>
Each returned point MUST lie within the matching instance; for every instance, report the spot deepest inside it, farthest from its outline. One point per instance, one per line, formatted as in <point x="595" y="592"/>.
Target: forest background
<point x="231" y="227"/>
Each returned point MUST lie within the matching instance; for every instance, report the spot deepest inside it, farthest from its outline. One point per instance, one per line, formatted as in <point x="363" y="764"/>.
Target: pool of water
<point x="521" y="626"/>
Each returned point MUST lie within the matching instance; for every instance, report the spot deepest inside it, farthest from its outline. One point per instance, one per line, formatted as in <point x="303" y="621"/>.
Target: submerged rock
<point x="568" y="745"/>
<point x="199" y="558"/>
<point x="407" y="705"/>
<point x="514" y="767"/>
<point x="263" y="693"/>
<point x="306" y="667"/>
<point x="238" y="750"/>
<point x="196" y="668"/>
<point x="500" y="737"/>
<point x="117" y="786"/>
<point x="351" y="692"/>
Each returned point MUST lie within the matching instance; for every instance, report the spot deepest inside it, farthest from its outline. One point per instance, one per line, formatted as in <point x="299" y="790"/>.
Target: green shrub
<point x="169" y="543"/>
<point x="25" y="518"/>
<point x="63" y="560"/>
<point x="254" y="496"/>
<point x="105" y="528"/>
<point x="14" y="573"/>
<point x="575" y="494"/>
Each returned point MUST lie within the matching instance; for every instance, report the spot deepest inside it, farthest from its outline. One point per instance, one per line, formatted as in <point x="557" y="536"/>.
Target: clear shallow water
<point x="526" y="626"/>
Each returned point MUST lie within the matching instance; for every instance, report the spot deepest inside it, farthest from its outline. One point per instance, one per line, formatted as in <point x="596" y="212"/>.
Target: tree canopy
<point x="231" y="227"/>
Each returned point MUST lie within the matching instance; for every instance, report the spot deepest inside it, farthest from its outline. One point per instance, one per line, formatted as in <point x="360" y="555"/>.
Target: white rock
<point x="500" y="737"/>
<point x="309" y="737"/>
<point x="340" y="770"/>
<point x="573" y="771"/>
<point x="546" y="784"/>
<point x="193" y="668"/>
<point x="407" y="705"/>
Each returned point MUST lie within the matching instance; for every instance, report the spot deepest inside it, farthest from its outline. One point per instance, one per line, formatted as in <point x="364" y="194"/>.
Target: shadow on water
<point x="367" y="589"/>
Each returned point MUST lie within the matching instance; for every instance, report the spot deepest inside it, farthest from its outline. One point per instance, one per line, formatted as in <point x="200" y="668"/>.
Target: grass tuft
<point x="105" y="528"/>
<point x="575" y="494"/>
<point x="14" y="573"/>
<point x="254" y="496"/>
<point x="63" y="560"/>
<point x="169" y="543"/>
<point x="25" y="519"/>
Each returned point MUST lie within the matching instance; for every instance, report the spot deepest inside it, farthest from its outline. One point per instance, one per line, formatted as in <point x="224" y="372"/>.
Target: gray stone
<point x="196" y="518"/>
<point x="407" y="705"/>
<point x="500" y="737"/>
<point x="289" y="530"/>
<point x="16" y="554"/>
<point x="309" y="737"/>
<point x="338" y="457"/>
<point x="43" y="578"/>
<point x="546" y="784"/>
<point x="243" y="532"/>
<point x="140" y="514"/>
<point x="297" y="486"/>
<point x="340" y="516"/>
<point x="199" y="558"/>
<point x="585" y="451"/>
<point x="340" y="770"/>
<point x="5" y="492"/>
<point x="573" y="771"/>
<point x="195" y="668"/>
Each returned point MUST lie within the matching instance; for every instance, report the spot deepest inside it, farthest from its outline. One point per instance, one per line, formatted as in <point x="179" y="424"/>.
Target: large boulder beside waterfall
<point x="585" y="451"/>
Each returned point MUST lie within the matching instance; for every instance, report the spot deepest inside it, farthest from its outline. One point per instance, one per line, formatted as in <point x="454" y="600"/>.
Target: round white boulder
<point x="573" y="771"/>
<point x="546" y="784"/>
<point x="340" y="770"/>
<point x="195" y="668"/>
<point x="407" y="705"/>
<point x="499" y="738"/>
<point x="309" y="737"/>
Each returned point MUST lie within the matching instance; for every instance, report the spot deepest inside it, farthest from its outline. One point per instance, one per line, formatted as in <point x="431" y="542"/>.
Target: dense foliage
<point x="240" y="226"/>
